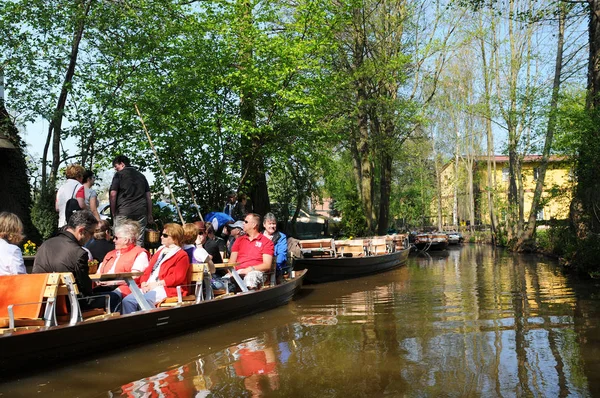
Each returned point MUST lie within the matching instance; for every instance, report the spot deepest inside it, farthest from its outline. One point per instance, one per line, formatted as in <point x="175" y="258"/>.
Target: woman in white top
<point x="71" y="189"/>
<point x="11" y="234"/>
<point x="91" y="197"/>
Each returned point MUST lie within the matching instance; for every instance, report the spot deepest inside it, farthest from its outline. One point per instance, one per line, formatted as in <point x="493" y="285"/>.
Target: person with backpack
<point x="71" y="195"/>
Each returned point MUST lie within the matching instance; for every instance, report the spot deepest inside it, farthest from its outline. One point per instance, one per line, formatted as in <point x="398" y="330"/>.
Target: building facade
<point x="464" y="197"/>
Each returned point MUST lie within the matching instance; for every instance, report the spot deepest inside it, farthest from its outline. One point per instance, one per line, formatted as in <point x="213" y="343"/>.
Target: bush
<point x="557" y="240"/>
<point x="43" y="213"/>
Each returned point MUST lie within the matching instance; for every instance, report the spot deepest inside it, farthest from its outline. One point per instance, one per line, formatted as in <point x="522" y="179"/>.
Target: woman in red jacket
<point x="168" y="269"/>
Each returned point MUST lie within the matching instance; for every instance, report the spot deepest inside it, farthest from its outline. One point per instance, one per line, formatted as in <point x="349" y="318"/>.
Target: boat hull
<point x="432" y="246"/>
<point x="322" y="270"/>
<point x="44" y="347"/>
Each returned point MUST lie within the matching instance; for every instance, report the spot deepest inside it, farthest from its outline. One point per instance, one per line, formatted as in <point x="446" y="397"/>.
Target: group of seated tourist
<point x="169" y="267"/>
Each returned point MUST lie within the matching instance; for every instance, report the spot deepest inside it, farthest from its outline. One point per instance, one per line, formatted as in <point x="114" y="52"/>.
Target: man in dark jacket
<point x="130" y="196"/>
<point x="64" y="253"/>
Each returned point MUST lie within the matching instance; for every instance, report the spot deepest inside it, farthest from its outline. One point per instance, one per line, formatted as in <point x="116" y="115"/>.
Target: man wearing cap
<point x="236" y="229"/>
<point x="253" y="253"/>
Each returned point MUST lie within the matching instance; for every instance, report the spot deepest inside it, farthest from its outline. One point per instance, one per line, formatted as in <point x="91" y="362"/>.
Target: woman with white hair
<point x="127" y="257"/>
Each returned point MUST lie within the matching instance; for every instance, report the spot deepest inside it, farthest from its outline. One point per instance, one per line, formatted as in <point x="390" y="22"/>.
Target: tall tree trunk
<point x="585" y="206"/>
<point x="529" y="230"/>
<point x="385" y="186"/>
<point x="254" y="181"/>
<point x="455" y="218"/>
<point x="470" y="189"/>
<point x="438" y="190"/>
<point x="55" y="127"/>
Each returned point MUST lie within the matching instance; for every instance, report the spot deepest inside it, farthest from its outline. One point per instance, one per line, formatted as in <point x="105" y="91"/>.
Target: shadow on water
<point x="471" y="322"/>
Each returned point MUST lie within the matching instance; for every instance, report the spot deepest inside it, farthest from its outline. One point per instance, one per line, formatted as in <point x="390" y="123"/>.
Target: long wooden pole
<point x="187" y="181"/>
<point x="159" y="165"/>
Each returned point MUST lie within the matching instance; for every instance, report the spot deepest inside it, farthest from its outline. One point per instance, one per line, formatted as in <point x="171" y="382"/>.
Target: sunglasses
<point x="165" y="235"/>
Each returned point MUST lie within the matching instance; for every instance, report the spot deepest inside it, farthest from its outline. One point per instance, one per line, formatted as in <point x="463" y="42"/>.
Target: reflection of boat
<point x="42" y="347"/>
<point x="349" y="259"/>
<point x="431" y="241"/>
<point x="454" y="238"/>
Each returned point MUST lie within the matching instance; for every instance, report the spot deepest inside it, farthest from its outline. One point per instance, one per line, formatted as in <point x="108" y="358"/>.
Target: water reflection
<point x="467" y="322"/>
<point x="246" y="368"/>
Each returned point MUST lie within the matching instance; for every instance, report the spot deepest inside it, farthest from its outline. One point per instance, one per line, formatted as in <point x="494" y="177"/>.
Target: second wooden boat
<point x="338" y="261"/>
<point x="431" y="241"/>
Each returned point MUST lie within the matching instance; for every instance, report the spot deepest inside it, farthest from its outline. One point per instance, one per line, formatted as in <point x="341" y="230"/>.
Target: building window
<point x="505" y="174"/>
<point x="536" y="173"/>
<point x="540" y="214"/>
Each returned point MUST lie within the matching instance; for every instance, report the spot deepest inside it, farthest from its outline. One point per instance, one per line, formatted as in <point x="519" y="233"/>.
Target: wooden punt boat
<point x="350" y="259"/>
<point x="44" y="347"/>
<point x="431" y="241"/>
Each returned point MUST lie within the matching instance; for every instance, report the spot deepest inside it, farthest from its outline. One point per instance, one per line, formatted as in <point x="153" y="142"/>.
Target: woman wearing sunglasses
<point x="168" y="269"/>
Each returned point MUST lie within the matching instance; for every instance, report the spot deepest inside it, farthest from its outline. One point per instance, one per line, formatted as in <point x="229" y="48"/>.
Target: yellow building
<point x="465" y="200"/>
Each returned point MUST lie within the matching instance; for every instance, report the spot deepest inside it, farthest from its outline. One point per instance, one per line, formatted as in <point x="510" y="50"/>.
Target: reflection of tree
<point x="474" y="324"/>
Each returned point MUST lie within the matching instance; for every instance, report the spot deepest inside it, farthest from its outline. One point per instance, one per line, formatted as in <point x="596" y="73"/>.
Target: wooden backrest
<point x="62" y="307"/>
<point x="23" y="289"/>
<point x="356" y="247"/>
<point x="378" y="246"/>
<point x="317" y="244"/>
<point x="197" y="272"/>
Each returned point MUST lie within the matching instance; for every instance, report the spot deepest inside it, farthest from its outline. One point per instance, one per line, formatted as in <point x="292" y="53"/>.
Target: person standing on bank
<point x="71" y="189"/>
<point x="91" y="197"/>
<point x="130" y="196"/>
<point x="230" y="204"/>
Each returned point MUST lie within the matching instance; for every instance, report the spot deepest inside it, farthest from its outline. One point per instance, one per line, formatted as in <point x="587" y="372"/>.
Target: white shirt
<point x="11" y="259"/>
<point x="200" y="255"/>
<point x="67" y="191"/>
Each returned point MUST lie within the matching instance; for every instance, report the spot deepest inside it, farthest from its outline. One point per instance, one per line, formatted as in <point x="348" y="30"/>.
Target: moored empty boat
<point x="431" y="241"/>
<point x="329" y="260"/>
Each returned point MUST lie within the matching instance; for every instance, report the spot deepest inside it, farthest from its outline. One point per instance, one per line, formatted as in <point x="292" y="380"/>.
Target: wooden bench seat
<point x="73" y="314"/>
<point x="27" y="300"/>
<point x="38" y="300"/>
<point x="199" y="277"/>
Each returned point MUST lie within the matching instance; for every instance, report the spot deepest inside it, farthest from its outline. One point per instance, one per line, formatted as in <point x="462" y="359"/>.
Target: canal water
<point x="472" y="321"/>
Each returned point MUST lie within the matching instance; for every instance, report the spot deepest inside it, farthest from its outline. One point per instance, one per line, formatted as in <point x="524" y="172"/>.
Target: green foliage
<point x="43" y="213"/>
<point x="582" y="255"/>
<point x="413" y="188"/>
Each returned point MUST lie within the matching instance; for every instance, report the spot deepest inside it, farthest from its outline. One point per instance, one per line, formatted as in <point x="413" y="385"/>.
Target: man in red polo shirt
<point x="252" y="252"/>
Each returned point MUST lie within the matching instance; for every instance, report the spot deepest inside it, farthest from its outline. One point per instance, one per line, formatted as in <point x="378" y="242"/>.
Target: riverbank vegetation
<point x="364" y="102"/>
